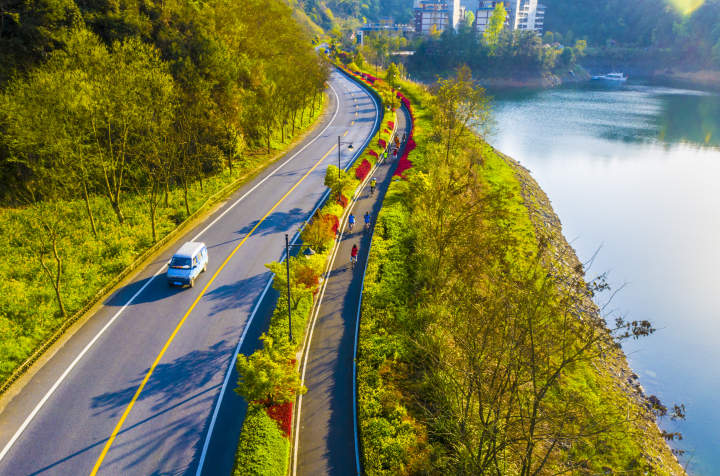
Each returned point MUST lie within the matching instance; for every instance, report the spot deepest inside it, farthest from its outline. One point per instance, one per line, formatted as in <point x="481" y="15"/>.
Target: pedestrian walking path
<point x="326" y="433"/>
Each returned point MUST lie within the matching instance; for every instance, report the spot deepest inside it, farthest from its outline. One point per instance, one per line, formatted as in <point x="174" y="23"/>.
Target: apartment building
<point x="437" y="14"/>
<point x="522" y="14"/>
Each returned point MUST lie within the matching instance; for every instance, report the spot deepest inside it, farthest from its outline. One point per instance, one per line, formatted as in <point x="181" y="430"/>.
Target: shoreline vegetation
<point x="96" y="172"/>
<point x="473" y="303"/>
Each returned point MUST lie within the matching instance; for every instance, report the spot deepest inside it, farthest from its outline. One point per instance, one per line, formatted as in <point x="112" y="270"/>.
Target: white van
<point x="187" y="263"/>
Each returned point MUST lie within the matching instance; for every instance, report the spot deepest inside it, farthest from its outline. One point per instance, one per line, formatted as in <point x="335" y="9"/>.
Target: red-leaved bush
<point x="391" y="125"/>
<point x="335" y="221"/>
<point x="282" y="413"/>
<point x="372" y="152"/>
<point x="362" y="170"/>
<point x="382" y="143"/>
<point x="343" y="201"/>
<point x="403" y="164"/>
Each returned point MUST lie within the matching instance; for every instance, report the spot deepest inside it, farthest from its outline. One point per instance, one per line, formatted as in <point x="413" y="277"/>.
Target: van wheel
<point x="192" y="283"/>
<point x="204" y="268"/>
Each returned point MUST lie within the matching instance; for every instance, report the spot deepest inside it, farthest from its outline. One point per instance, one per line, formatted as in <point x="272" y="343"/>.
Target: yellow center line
<point x="352" y="123"/>
<point x="125" y="414"/>
<point x="346" y="132"/>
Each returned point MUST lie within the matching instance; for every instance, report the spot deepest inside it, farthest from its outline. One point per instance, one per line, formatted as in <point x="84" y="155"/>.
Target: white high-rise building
<point x="522" y="14"/>
<point x="440" y="14"/>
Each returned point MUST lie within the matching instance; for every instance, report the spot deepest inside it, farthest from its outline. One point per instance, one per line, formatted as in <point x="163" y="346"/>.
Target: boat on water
<point x="614" y="77"/>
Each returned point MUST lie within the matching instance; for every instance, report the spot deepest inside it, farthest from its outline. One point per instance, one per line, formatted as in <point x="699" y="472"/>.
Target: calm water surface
<point x="635" y="171"/>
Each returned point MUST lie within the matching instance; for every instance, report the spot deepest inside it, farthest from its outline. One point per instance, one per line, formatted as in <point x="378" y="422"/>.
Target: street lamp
<point x="350" y="147"/>
<point x="287" y="267"/>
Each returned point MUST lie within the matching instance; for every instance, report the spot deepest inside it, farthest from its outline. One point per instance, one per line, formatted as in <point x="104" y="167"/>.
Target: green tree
<point x="461" y="109"/>
<point x="392" y="76"/>
<point x="269" y="374"/>
<point x="495" y="26"/>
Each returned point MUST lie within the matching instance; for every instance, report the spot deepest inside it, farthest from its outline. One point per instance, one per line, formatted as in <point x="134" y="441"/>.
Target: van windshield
<point x="180" y="262"/>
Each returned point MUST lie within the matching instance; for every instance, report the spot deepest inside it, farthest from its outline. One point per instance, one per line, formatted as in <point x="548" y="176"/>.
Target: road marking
<point x="89" y="345"/>
<point x="352" y="123"/>
<point x="125" y="414"/>
<point x="346" y="132"/>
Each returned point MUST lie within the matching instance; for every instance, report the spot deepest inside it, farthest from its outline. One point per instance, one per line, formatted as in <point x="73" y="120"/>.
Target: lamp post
<point x="350" y="147"/>
<point x="287" y="267"/>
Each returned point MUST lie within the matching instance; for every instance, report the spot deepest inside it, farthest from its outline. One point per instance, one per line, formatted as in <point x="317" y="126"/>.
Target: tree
<point x="567" y="57"/>
<point x="461" y="109"/>
<point x="495" y="26"/>
<point x="268" y="376"/>
<point x="392" y="76"/>
<point x="580" y="47"/>
<point x="469" y="21"/>
<point x="339" y="181"/>
<point x="548" y="38"/>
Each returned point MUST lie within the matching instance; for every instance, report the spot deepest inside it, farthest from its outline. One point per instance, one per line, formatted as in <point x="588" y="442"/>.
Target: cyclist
<point x="367" y="220"/>
<point x="373" y="184"/>
<point x="353" y="255"/>
<point x="351" y="221"/>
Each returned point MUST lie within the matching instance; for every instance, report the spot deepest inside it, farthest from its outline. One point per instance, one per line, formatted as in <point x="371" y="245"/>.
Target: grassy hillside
<point x="481" y="350"/>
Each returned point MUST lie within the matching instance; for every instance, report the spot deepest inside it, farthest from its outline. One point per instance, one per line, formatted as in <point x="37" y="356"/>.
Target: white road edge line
<point x="82" y="353"/>
<point x="308" y="341"/>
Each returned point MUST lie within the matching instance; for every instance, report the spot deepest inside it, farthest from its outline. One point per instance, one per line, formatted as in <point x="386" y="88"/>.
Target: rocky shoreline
<point x="704" y="78"/>
<point x="548" y="227"/>
<point x="544" y="80"/>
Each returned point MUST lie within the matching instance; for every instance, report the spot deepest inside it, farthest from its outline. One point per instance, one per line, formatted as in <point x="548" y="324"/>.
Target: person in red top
<point x="353" y="255"/>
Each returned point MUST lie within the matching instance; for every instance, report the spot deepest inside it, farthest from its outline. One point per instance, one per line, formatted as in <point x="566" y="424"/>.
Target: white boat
<point x="616" y="77"/>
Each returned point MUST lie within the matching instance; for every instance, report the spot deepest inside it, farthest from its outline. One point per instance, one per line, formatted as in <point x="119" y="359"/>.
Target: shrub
<point x="363" y="170"/>
<point x="262" y="448"/>
<point x="319" y="232"/>
<point x="282" y="414"/>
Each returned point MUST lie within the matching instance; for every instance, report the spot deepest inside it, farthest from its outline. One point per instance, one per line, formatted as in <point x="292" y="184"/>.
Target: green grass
<point x="29" y="313"/>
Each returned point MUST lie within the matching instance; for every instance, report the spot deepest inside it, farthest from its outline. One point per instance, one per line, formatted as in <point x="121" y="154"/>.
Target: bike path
<point x="326" y="438"/>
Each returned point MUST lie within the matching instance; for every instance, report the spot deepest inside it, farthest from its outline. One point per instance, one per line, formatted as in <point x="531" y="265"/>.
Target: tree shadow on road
<point x="183" y="376"/>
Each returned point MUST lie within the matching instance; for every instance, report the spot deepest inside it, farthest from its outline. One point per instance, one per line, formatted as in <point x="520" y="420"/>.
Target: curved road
<point x="86" y="409"/>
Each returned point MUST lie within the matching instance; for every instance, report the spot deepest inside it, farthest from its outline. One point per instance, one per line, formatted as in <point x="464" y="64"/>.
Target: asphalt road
<point x="326" y="436"/>
<point x="62" y="420"/>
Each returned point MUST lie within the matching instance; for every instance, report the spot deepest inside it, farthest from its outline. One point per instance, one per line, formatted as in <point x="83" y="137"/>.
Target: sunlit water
<point x="635" y="171"/>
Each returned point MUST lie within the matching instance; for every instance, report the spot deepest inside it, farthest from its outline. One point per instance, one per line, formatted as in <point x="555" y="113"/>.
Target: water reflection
<point x="635" y="170"/>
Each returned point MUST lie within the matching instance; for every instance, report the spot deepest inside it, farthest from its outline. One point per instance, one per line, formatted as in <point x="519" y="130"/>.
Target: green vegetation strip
<point x="480" y="348"/>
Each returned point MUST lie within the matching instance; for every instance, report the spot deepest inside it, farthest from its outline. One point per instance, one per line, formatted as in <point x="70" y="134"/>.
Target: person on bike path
<point x="353" y="255"/>
<point x="351" y="221"/>
<point x="373" y="184"/>
<point x="367" y="220"/>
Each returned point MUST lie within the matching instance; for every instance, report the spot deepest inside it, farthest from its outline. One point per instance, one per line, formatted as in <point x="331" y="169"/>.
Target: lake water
<point x="635" y="172"/>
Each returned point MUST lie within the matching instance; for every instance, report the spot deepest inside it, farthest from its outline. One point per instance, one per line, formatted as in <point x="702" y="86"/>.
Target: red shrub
<point x="372" y="152"/>
<point x="335" y="221"/>
<point x="343" y="201"/>
<point x="382" y="143"/>
<point x="391" y="125"/>
<point x="362" y="170"/>
<point x="282" y="413"/>
<point x="403" y="164"/>
<point x="307" y="276"/>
